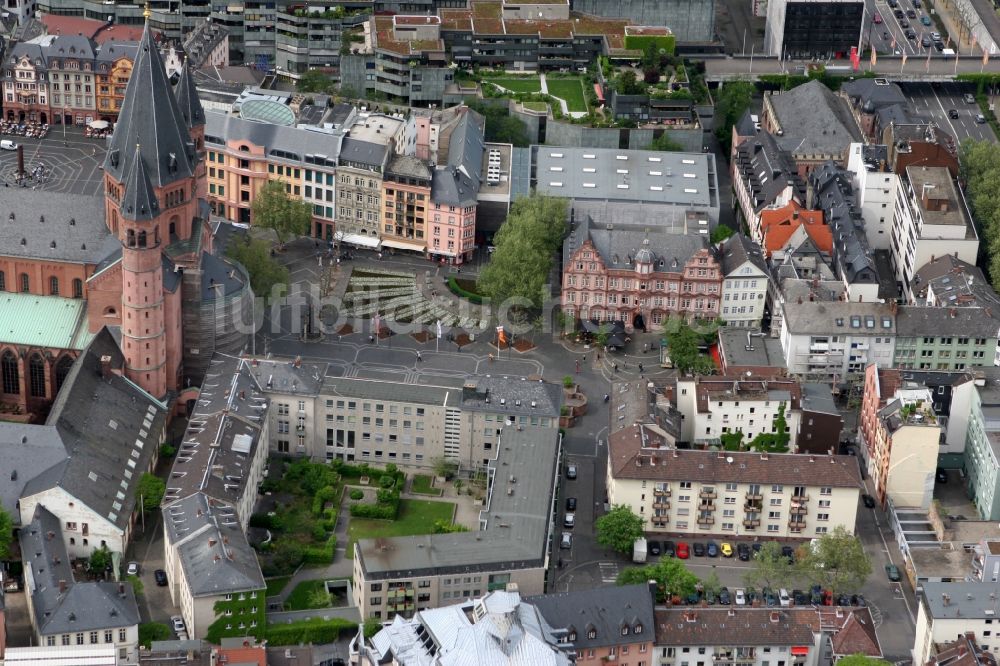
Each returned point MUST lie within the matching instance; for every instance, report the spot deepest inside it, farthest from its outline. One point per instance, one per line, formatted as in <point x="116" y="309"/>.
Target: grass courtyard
<point x="415" y="517"/>
<point x="423" y="485"/>
<point x="570" y="90"/>
<point x="518" y="84"/>
<point x="311" y="594"/>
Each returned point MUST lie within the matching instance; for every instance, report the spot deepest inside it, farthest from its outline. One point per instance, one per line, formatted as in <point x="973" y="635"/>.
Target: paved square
<point x="73" y="166"/>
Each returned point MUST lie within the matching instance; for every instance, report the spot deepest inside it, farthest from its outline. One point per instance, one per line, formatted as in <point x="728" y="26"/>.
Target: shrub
<point x="153" y="631"/>
<point x="376" y="511"/>
<point x="357" y="494"/>
<point x="323" y="496"/>
<point x="318" y="631"/>
<point x="167" y="451"/>
<point x="322" y="554"/>
<point x="266" y="522"/>
<point x="568" y="381"/>
<point x="387" y="496"/>
<point x="456" y="289"/>
<point x="318" y="532"/>
<point x="386" y="481"/>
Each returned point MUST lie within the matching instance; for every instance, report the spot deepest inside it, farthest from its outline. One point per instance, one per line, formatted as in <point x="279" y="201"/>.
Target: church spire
<point x="187" y="97"/>
<point x="151" y="119"/>
<point x="139" y="202"/>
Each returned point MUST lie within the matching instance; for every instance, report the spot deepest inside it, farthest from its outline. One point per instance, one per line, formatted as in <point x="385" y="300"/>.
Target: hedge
<point x="639" y="42"/>
<point x="320" y="555"/>
<point x="317" y="631"/>
<point x="459" y="291"/>
<point x="377" y="511"/>
<point x="323" y="496"/>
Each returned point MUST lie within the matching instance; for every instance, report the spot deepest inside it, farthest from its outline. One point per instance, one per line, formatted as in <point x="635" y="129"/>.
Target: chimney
<point x="62" y="587"/>
<point x="211" y="543"/>
<point x="775" y="617"/>
<point x="106" y="366"/>
<point x="690" y="616"/>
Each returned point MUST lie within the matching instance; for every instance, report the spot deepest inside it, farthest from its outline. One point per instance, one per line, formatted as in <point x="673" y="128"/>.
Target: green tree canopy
<point x="525" y="246"/>
<point x="619" y="528"/>
<point x="770" y="568"/>
<point x="672" y="578"/>
<point x="6" y="533"/>
<point x="683" y="346"/>
<point x="273" y="208"/>
<point x="153" y="631"/>
<point x="314" y="81"/>
<point x="721" y="233"/>
<point x="628" y="84"/>
<point x="731" y="102"/>
<point x="99" y="561"/>
<point x="980" y="162"/>
<point x="151" y="489"/>
<point x="255" y="255"/>
<point x="837" y="561"/>
<point x="501" y="127"/>
<point x="666" y="143"/>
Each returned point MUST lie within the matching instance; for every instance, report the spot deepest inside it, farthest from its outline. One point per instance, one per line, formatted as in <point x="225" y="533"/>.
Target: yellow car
<point x="727" y="550"/>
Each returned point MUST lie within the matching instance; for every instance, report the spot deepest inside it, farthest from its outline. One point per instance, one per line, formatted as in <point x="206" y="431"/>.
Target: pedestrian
<point x="615" y="367"/>
<point x="640" y="368"/>
<point x="598" y="357"/>
<point x="419" y="357"/>
<point x="371" y="339"/>
<point x="645" y="346"/>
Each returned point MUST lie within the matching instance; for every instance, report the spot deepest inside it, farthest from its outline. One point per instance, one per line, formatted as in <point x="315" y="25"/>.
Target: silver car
<point x="567" y="541"/>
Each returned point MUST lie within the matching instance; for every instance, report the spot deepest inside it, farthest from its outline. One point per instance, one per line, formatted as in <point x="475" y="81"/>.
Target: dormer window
<point x="592" y="634"/>
<point x="638" y="629"/>
<point x="625" y="630"/>
<point x="571" y="637"/>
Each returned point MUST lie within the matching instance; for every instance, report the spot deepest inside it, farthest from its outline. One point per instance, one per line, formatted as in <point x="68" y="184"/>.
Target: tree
<point x="273" y="208"/>
<point x="444" y="467"/>
<point x="712" y="583"/>
<point x="100" y="560"/>
<point x="137" y="585"/>
<point x="731" y="102"/>
<point x="151" y="490"/>
<point x="721" y="233"/>
<point x="683" y="345"/>
<point x="862" y="660"/>
<point x="525" y="245"/>
<point x="980" y="162"/>
<point x="666" y="144"/>
<point x="255" y="255"/>
<point x="770" y="568"/>
<point x="837" y="561"/>
<point x="447" y="527"/>
<point x="372" y="626"/>
<point x="672" y="578"/>
<point x="314" y="81"/>
<point x="776" y="442"/>
<point x="619" y="528"/>
<point x="6" y="533"/>
<point x="153" y="631"/>
<point x="627" y="84"/>
<point x="501" y="127"/>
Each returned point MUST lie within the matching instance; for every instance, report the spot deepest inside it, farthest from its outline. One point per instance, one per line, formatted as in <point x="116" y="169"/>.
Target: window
<point x="10" y="372"/>
<point x="25" y="283"/>
<point x="36" y="373"/>
<point x="54" y="286"/>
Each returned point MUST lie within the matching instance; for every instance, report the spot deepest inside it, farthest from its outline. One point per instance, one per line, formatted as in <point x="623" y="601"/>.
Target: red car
<point x="682" y="551"/>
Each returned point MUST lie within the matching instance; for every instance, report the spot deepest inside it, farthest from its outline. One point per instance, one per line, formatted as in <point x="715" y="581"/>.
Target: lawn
<point x="540" y="107"/>
<point x="528" y="84"/>
<point x="276" y="585"/>
<point x="570" y="90"/>
<point x="415" y="517"/>
<point x="310" y="594"/>
<point x="422" y="486"/>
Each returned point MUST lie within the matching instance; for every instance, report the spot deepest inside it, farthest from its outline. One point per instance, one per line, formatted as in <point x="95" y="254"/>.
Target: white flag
<point x="439" y="327"/>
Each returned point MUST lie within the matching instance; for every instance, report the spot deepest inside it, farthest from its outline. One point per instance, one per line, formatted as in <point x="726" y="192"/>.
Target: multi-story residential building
<point x="797" y="29"/>
<point x="713" y="406"/>
<point x="963" y="651"/>
<point x="900" y="438"/>
<point x="835" y="339"/>
<point x="213" y="574"/>
<point x="778" y="495"/>
<point x="982" y="447"/>
<point x="207" y="45"/>
<point x="947" y="281"/>
<point x="361" y="166"/>
<point x="764" y="177"/>
<point x="750" y="352"/>
<point x="455" y="187"/>
<point x="919" y="143"/>
<point x="631" y="186"/>
<point x="409" y="425"/>
<point x="65" y="612"/>
<point x="602" y="624"/>
<point x="875" y="103"/>
<point x="875" y="187"/>
<point x="113" y="70"/>
<point x="947" y="610"/>
<point x="931" y="219"/>
<point x="407" y="192"/>
<point x="403" y="575"/>
<point x="473" y="627"/>
<point x="745" y="282"/>
<point x="778" y="225"/>
<point x="946" y="338"/>
<point x="639" y="275"/>
<point x="311" y="35"/>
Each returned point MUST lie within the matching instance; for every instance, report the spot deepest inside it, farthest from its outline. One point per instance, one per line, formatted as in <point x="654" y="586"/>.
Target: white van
<point x="7" y="144"/>
<point x="783" y="597"/>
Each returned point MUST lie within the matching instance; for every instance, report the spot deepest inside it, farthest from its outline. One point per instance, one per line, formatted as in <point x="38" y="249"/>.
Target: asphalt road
<point x="934" y="102"/>
<point x="890" y="35"/>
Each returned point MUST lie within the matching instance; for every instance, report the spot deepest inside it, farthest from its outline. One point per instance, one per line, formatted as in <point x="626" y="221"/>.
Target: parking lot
<point x="934" y="102"/>
<point x="890" y="36"/>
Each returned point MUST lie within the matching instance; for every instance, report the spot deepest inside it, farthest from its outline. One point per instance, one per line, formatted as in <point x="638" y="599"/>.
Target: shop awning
<point x="799" y="650"/>
<point x="401" y="244"/>
<point x="359" y="239"/>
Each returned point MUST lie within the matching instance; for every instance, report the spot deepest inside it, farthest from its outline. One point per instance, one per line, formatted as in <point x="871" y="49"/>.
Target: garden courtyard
<point x="568" y="89"/>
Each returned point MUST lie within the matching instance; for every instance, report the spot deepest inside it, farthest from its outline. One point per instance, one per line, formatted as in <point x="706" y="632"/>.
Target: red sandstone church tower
<point x="154" y="183"/>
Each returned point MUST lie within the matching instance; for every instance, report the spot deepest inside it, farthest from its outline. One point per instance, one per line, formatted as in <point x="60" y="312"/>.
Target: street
<point x="935" y="101"/>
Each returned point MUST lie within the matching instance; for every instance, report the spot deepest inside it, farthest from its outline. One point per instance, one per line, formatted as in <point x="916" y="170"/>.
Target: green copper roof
<point x="43" y="321"/>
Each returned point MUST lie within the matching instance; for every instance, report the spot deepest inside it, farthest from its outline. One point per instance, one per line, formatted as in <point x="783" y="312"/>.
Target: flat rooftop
<point x="514" y="524"/>
<point x="496" y="167"/>
<point x="941" y="563"/>
<point x="942" y="206"/>
<point x="685" y="179"/>
<point x="746" y="347"/>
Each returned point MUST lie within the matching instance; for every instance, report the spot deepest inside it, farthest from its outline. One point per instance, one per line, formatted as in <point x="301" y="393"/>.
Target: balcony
<point x="660" y="520"/>
<point x="799" y="509"/>
<point x="706" y="520"/>
<point x="754" y="496"/>
<point x="661" y="504"/>
<point x="796" y="525"/>
<point x="708" y="493"/>
<point x="751" y="524"/>
<point x="800" y="499"/>
<point x="662" y="492"/>
<point x="753" y="507"/>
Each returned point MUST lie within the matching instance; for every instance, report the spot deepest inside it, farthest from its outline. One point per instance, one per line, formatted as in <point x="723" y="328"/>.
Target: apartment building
<point x="835" y="339"/>
<point x="931" y="219"/>
<point x="764" y="177"/>
<point x="639" y="275"/>
<point x="875" y="187"/>
<point x="946" y="338"/>
<point x="410" y="425"/>
<point x="982" y="447"/>
<point x="456" y="185"/>
<point x="963" y="651"/>
<point x="212" y="570"/>
<point x="901" y="437"/>
<point x="779" y="495"/>
<point x="746" y="282"/>
<point x="797" y="29"/>
<point x="404" y="575"/>
<point x="407" y="193"/>
<point x="779" y="225"/>
<point x="713" y="406"/>
<point x="947" y="610"/>
<point x="312" y="34"/>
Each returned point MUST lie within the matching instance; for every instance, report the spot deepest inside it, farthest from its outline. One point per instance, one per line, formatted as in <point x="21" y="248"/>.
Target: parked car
<point x="877" y="18"/>
<point x="936" y="36"/>
<point x="668" y="549"/>
<point x="843" y="600"/>
<point x="981" y="119"/>
<point x="699" y="549"/>
<point x="925" y="41"/>
<point x="903" y="23"/>
<point x="741" y="597"/>
<point x="911" y="35"/>
<point x="969" y="99"/>
<point x="727" y="549"/>
<point x="653" y="547"/>
<point x="682" y="551"/>
<point x="866" y="498"/>
<point x="711" y="549"/>
<point x="788" y="552"/>
<point x="784" y="598"/>
<point x="827" y="597"/>
<point x="800" y="598"/>
<point x="743" y="552"/>
<point x="911" y="14"/>
<point x="899" y="13"/>
<point x="571" y="472"/>
<point x="178" y="623"/>
<point x="894" y="3"/>
<point x="161" y="577"/>
<point x="756" y="548"/>
<point x="710" y="597"/>
<point x="892" y="571"/>
<point x="770" y="598"/>
<point x="816" y="595"/>
<point x="571" y="504"/>
<point x="567" y="541"/>
<point x="858" y="600"/>
<point x="939" y="46"/>
<point x="132" y="569"/>
<point x="724" y="597"/>
<point x="569" y="520"/>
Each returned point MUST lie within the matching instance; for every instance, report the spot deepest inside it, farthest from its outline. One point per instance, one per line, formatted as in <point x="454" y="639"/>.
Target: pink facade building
<point x="639" y="276"/>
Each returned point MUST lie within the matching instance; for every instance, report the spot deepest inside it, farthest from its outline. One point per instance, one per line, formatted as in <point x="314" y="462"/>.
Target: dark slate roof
<point x="187" y="98"/>
<point x="150" y="119"/>
<point x="79" y="607"/>
<point x="737" y="250"/>
<point x="973" y="322"/>
<point x="223" y="127"/>
<point x="767" y="168"/>
<point x="113" y="50"/>
<point x="101" y="422"/>
<point x="835" y="197"/>
<point x="139" y="202"/>
<point x="816" y="118"/>
<point x="457" y="182"/>
<point x="606" y="610"/>
<point x="25" y="452"/>
<point x="871" y="94"/>
<point x="216" y="274"/>
<point x="619" y="245"/>
<point x="746" y="126"/>
<point x="71" y="46"/>
<point x="363" y="152"/>
<point x="73" y="223"/>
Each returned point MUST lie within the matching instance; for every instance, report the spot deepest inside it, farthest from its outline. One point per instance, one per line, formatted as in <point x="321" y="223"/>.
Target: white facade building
<point x="947" y="610"/>
<point x="876" y="193"/>
<point x="745" y="282"/>
<point x="834" y="339"/>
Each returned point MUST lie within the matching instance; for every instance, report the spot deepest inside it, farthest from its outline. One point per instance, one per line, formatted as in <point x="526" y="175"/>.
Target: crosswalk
<point x="609" y="572"/>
